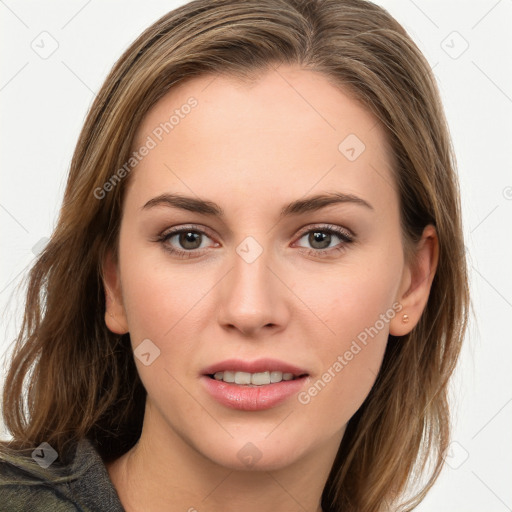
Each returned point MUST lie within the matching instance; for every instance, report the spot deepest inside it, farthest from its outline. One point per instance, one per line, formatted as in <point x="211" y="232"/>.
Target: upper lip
<point x="257" y="366"/>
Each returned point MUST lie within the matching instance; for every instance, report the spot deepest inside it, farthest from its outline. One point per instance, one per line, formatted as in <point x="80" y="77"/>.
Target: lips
<point x="247" y="397"/>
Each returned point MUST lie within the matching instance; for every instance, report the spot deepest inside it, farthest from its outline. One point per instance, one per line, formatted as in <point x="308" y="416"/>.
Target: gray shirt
<point x="83" y="485"/>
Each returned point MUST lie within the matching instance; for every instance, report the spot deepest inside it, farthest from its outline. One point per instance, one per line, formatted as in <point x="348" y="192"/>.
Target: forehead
<point x="290" y="130"/>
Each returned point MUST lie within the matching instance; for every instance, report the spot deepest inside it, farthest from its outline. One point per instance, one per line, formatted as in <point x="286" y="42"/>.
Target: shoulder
<point x="23" y="488"/>
<point x="80" y="485"/>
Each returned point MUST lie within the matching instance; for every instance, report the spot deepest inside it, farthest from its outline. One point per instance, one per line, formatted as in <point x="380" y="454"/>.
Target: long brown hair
<point x="81" y="380"/>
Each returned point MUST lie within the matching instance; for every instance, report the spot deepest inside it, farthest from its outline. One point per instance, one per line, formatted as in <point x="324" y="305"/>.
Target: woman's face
<point x="262" y="269"/>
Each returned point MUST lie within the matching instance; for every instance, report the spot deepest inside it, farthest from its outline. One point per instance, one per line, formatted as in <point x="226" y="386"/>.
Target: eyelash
<point x="346" y="236"/>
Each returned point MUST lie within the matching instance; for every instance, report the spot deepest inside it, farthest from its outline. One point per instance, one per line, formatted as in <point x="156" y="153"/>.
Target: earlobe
<point x="115" y="315"/>
<point x="418" y="277"/>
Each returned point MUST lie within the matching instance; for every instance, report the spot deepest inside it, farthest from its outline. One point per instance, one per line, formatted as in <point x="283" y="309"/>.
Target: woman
<point x="256" y="291"/>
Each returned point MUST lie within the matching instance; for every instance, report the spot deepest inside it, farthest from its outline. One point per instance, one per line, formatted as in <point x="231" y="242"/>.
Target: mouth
<point x="253" y="385"/>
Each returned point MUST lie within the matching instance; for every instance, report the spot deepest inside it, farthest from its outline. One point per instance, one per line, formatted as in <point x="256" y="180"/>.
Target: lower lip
<point x="252" y="398"/>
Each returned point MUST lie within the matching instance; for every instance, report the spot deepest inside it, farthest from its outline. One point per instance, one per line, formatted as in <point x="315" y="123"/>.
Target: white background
<point x="44" y="103"/>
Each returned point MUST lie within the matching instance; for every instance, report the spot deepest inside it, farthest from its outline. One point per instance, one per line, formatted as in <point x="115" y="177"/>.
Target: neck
<point x="163" y="472"/>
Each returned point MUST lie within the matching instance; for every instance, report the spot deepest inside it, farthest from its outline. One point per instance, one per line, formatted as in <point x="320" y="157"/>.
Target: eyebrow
<point x="298" y="207"/>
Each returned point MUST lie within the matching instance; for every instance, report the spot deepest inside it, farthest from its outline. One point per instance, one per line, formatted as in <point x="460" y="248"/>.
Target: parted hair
<point x="69" y="377"/>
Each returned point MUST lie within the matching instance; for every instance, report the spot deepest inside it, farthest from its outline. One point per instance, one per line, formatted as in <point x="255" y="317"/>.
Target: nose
<point x="253" y="296"/>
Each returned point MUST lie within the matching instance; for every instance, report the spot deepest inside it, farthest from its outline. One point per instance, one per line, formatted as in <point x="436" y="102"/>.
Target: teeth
<point x="276" y="376"/>
<point x="256" y="379"/>
<point x="228" y="377"/>
<point x="260" y="379"/>
<point x="242" y="378"/>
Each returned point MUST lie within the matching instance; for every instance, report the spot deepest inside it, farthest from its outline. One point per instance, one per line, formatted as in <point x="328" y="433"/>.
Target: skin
<point x="252" y="149"/>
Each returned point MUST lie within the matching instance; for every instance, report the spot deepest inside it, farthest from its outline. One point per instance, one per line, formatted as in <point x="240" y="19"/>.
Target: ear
<point x="115" y="314"/>
<point x="416" y="283"/>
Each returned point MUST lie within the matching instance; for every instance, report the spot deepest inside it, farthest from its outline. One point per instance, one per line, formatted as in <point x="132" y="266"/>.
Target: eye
<point x="321" y="239"/>
<point x="184" y="242"/>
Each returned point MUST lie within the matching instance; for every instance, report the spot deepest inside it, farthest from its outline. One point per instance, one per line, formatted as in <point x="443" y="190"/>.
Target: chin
<point x="254" y="455"/>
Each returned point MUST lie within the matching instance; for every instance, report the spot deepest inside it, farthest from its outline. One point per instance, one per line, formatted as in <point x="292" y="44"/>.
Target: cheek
<point x="357" y="306"/>
<point x="351" y="297"/>
<point x="151" y="302"/>
<point x="157" y="294"/>
<point x="350" y="365"/>
<point x="162" y="306"/>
